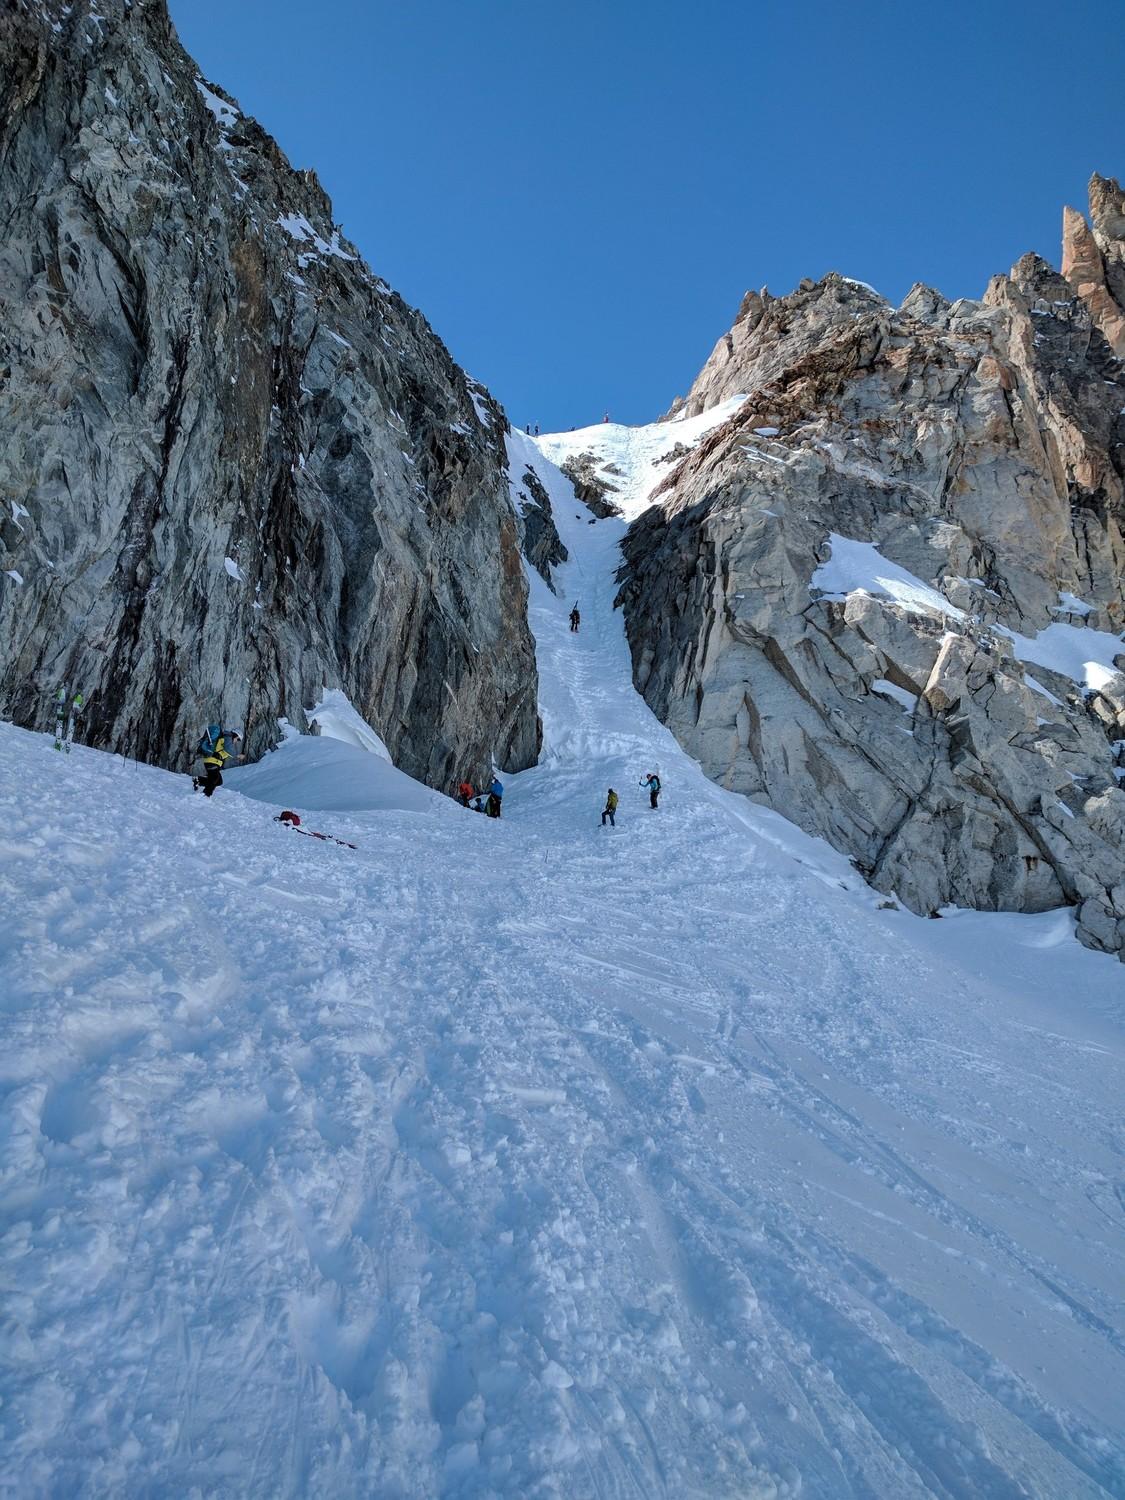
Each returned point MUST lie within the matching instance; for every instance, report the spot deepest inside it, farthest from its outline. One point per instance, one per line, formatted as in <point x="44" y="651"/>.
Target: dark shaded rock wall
<point x="235" y="468"/>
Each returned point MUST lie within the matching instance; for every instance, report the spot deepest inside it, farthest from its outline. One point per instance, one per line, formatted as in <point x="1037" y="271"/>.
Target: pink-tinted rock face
<point x="1094" y="259"/>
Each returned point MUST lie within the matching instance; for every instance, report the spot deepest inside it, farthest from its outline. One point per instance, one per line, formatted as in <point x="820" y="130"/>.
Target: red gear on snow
<point x="290" y="818"/>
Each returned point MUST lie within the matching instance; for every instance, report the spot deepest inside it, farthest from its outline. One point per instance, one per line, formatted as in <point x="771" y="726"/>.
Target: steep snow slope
<point x="634" y="459"/>
<point x="535" y="1159"/>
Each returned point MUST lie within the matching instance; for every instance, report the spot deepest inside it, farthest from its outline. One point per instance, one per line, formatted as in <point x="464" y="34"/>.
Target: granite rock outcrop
<point x="886" y="597"/>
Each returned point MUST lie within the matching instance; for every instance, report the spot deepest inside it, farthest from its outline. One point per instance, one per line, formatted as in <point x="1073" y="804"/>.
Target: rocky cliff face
<point x="236" y="468"/>
<point x="886" y="597"/>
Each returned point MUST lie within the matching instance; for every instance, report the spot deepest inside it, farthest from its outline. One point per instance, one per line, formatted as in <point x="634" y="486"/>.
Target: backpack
<point x="210" y="739"/>
<point x="654" y="783"/>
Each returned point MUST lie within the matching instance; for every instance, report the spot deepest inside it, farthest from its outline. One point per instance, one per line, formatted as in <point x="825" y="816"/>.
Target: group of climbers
<point x="488" y="803"/>
<point x="214" y="747"/>
<point x="651" y="781"/>
<point x="467" y="798"/>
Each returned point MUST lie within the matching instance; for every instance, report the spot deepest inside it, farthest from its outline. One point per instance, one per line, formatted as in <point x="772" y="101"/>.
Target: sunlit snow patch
<point x="1072" y="651"/>
<point x="906" y="700"/>
<point x="477" y="393"/>
<point x="633" y="460"/>
<point x="224" y="113"/>
<point x="859" y="568"/>
<point x="1069" y="604"/>
<point x="865" y="285"/>
<point x="299" y="228"/>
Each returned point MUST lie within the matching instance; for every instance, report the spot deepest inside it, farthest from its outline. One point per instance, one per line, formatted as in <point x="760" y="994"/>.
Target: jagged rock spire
<point x="1094" y="259"/>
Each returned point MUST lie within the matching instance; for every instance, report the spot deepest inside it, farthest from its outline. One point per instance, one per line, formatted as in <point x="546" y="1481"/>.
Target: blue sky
<point x="576" y="195"/>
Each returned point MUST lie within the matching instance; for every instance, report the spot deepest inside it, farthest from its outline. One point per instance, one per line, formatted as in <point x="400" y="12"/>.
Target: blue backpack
<point x="210" y="739"/>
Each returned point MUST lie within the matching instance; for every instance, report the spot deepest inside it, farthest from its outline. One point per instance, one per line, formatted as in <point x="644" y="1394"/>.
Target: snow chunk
<point x="556" y="1377"/>
<point x="909" y="701"/>
<point x="859" y="568"/>
<point x="1073" y="651"/>
<point x="768" y="458"/>
<point x="299" y="228"/>
<point x="338" y="720"/>
<point x="224" y="113"/>
<point x="14" y="575"/>
<point x="1037" y="687"/>
<point x="476" y="394"/>
<point x="234" y="570"/>
<point x="1070" y="605"/>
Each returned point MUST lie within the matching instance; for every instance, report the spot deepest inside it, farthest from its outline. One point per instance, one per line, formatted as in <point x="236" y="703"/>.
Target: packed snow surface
<point x="533" y="1158"/>
<point x="634" y="460"/>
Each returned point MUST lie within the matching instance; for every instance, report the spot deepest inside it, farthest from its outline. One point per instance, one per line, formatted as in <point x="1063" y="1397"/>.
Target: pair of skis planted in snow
<point x="67" y="717"/>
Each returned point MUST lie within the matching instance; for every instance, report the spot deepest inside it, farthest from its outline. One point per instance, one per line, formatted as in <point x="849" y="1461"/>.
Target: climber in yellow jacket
<point x="213" y="748"/>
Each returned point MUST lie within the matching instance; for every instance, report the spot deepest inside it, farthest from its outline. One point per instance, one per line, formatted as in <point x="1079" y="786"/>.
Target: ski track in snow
<point x="533" y="1158"/>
